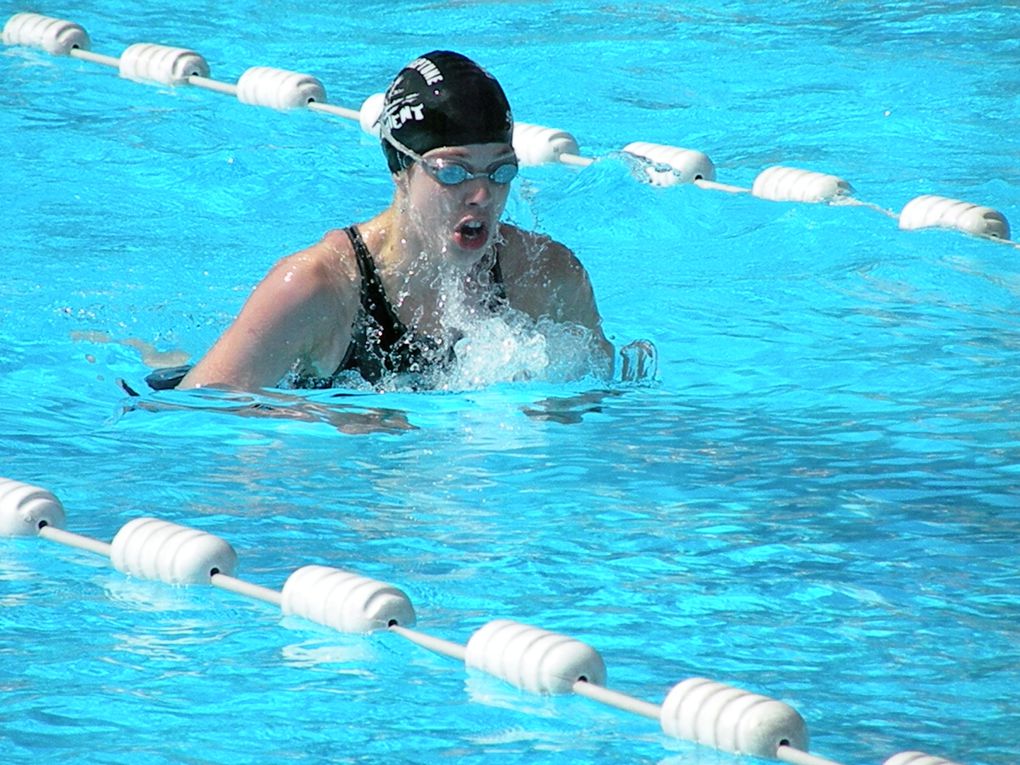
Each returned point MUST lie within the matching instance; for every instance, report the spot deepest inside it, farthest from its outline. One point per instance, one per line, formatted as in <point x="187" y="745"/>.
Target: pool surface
<point x="816" y="500"/>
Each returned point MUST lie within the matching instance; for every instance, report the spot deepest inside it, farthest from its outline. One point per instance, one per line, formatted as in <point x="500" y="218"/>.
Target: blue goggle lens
<point x="452" y="173"/>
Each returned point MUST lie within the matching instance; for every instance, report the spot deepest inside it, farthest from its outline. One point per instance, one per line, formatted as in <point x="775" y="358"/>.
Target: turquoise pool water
<point x="816" y="501"/>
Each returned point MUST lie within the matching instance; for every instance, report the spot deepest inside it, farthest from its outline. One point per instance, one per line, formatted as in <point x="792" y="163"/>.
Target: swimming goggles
<point x="450" y="172"/>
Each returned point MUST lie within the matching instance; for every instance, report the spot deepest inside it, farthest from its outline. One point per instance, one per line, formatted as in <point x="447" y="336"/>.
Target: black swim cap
<point x="442" y="99"/>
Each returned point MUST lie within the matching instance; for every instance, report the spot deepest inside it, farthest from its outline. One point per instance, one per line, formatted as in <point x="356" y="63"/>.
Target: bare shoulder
<point x="329" y="263"/>
<point x="527" y="257"/>
<point x="317" y="278"/>
<point x="299" y="317"/>
<point x="544" y="278"/>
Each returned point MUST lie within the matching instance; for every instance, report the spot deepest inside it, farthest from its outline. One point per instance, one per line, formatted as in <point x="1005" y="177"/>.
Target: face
<point x="462" y="218"/>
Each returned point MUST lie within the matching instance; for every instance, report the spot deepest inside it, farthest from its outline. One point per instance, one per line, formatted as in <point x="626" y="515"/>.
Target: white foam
<point x="513" y="348"/>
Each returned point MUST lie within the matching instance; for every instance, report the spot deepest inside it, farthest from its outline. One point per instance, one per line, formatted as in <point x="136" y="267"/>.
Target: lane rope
<point x="656" y="164"/>
<point x="535" y="660"/>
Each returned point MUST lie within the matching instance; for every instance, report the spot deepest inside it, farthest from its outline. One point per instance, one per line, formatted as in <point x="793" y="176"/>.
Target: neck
<point x="423" y="286"/>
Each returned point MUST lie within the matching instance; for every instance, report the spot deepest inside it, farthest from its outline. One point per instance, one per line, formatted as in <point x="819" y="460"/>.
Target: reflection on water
<point x="569" y="410"/>
<point x="640" y="361"/>
<point x="268" y="404"/>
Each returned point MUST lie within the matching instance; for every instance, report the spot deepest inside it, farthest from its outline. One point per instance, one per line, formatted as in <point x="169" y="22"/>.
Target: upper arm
<point x="551" y="282"/>
<point x="300" y="315"/>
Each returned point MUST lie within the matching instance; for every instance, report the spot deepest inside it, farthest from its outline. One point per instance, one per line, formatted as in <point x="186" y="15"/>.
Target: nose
<point x="478" y="192"/>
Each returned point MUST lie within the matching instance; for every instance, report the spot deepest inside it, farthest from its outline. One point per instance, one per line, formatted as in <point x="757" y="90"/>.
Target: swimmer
<point x="374" y="298"/>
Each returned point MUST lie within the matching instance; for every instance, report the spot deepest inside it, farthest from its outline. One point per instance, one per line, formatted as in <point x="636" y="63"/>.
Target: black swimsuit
<point x="380" y="343"/>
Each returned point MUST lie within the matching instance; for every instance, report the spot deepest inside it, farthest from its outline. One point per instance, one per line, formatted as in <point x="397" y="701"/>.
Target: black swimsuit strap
<point x="499" y="289"/>
<point x="373" y="294"/>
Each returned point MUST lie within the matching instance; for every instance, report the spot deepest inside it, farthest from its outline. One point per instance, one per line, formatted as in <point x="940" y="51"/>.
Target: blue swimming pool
<point x="817" y="500"/>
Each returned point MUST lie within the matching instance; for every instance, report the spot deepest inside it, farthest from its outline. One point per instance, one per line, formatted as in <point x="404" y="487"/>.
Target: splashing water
<point x="490" y="345"/>
<point x="513" y="348"/>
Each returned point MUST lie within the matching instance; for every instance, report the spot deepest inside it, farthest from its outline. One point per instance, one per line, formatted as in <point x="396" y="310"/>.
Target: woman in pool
<point x="386" y="296"/>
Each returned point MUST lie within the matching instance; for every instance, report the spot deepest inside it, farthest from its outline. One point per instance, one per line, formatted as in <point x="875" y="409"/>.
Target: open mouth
<point x="471" y="234"/>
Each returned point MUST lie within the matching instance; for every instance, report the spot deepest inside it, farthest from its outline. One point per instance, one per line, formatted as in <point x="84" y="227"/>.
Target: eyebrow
<point x="459" y="153"/>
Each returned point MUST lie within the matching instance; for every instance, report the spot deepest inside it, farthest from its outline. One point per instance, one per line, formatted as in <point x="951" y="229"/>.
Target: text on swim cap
<point x="403" y="111"/>
<point x="426" y="69"/>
